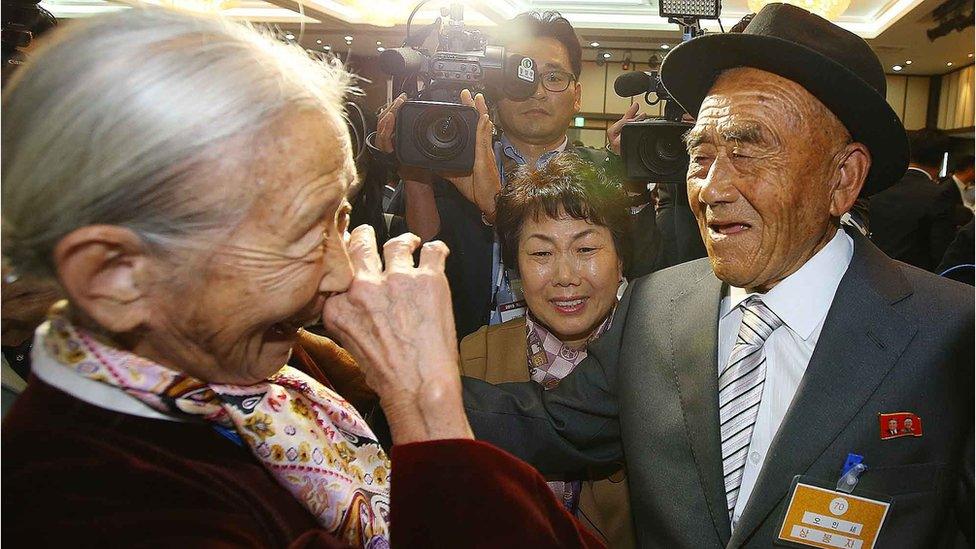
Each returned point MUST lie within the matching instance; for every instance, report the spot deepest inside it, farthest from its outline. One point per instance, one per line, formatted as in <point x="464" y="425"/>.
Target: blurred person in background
<point x="962" y="180"/>
<point x="25" y="303"/>
<point x="911" y="221"/>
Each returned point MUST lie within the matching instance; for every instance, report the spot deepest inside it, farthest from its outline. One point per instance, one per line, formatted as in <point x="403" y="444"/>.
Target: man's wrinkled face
<point x="543" y="118"/>
<point x="763" y="168"/>
<point x="232" y="310"/>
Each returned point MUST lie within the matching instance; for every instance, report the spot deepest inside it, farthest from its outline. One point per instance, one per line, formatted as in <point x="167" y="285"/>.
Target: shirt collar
<point x="511" y="152"/>
<point x="960" y="184"/>
<point x="802" y="299"/>
<point x="921" y="171"/>
<point x="48" y="370"/>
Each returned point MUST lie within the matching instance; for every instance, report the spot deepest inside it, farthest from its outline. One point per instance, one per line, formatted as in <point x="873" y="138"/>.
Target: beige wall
<point x="956" y="100"/>
<point x="598" y="95"/>
<point x="909" y="97"/>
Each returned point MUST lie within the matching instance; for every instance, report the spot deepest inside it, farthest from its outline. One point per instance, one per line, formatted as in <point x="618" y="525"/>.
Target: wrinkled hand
<point x="613" y="132"/>
<point x="397" y="324"/>
<point x="482" y="185"/>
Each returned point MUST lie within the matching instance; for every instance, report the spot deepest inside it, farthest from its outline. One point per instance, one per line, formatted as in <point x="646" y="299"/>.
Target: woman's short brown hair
<point x="566" y="185"/>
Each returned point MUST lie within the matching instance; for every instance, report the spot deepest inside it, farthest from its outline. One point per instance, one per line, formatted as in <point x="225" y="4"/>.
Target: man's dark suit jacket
<point x="911" y="221"/>
<point x="470" y="241"/>
<point x="960" y="256"/>
<point x="896" y="339"/>
<point x="950" y="196"/>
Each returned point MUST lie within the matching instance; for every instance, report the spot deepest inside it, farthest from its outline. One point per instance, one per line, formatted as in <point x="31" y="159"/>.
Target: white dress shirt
<point x="921" y="171"/>
<point x="966" y="191"/>
<point x="801" y="301"/>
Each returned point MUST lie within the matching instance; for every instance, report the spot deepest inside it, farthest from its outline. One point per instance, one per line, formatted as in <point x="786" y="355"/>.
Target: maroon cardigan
<point x="77" y="474"/>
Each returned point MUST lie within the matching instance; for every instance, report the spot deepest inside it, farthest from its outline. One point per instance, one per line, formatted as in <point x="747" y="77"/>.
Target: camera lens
<point x="440" y="133"/>
<point x="663" y="153"/>
<point x="444" y="131"/>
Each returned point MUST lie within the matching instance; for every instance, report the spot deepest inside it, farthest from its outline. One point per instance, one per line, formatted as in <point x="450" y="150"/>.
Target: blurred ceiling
<point x="896" y="29"/>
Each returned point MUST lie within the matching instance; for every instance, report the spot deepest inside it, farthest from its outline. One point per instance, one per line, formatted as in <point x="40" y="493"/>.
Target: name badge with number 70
<point x="818" y="516"/>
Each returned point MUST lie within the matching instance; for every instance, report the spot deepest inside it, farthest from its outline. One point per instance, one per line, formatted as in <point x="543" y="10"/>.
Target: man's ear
<point x="103" y="269"/>
<point x="578" y="97"/>
<point x="855" y="161"/>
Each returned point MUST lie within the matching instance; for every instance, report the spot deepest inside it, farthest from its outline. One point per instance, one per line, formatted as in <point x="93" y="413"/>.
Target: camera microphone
<point x="635" y="83"/>
<point x="402" y="61"/>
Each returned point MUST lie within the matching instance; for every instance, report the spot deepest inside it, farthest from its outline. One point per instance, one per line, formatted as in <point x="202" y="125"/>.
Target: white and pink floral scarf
<point x="310" y="439"/>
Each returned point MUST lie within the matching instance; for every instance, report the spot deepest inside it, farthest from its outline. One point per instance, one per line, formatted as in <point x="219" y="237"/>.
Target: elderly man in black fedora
<point x="738" y="389"/>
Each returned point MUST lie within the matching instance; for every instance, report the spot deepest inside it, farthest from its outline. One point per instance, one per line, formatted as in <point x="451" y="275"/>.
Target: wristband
<point x="388" y="159"/>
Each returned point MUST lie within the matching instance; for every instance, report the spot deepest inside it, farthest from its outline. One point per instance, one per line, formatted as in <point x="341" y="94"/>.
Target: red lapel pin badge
<point x="899" y="424"/>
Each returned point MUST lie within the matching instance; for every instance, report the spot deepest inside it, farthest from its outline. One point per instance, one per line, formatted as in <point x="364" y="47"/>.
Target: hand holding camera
<point x="385" y="141"/>
<point x="615" y="129"/>
<point x="484" y="182"/>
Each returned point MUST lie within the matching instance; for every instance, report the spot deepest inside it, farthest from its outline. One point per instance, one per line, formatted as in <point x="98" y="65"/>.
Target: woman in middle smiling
<point x="564" y="227"/>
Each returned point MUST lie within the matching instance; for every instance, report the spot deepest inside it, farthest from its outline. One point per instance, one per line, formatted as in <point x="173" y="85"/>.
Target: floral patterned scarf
<point x="550" y="360"/>
<point x="312" y="441"/>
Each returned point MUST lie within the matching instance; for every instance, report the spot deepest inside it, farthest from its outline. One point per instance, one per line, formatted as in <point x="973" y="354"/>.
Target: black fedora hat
<point x="834" y="65"/>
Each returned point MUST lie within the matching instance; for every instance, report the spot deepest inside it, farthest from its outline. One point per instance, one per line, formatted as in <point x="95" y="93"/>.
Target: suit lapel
<point x="861" y="339"/>
<point x="694" y="318"/>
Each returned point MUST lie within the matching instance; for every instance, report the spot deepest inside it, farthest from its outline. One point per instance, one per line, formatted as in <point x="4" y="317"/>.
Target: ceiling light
<point x="949" y="64"/>
<point x="696" y="9"/>
<point x="290" y="36"/>
<point x="970" y="56"/>
<point x="828" y="9"/>
<point x="380" y="49"/>
<point x="665" y="46"/>
<point x="597" y="45"/>
<point x="318" y="41"/>
<point x="606" y="55"/>
<point x="327" y="47"/>
<point x="908" y="62"/>
<point x="347" y="38"/>
<point x="896" y="68"/>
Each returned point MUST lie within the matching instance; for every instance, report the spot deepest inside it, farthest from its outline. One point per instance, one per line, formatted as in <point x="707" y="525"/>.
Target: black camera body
<point x="654" y="150"/>
<point x="436" y="135"/>
<point x="433" y="131"/>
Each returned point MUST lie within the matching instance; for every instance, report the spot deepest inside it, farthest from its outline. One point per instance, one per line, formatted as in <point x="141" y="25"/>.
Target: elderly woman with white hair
<point x="184" y="180"/>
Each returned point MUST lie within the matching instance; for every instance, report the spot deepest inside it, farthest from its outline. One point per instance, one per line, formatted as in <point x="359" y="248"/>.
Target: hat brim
<point x="689" y="71"/>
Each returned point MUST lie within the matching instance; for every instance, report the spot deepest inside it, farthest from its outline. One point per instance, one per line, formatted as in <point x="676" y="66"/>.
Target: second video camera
<point x="653" y="150"/>
<point x="433" y="130"/>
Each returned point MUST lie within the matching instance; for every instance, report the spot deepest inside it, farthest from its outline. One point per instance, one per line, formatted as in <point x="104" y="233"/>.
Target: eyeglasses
<point x="557" y="81"/>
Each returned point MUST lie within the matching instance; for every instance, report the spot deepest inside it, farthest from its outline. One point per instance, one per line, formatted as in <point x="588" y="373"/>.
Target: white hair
<point x="104" y="123"/>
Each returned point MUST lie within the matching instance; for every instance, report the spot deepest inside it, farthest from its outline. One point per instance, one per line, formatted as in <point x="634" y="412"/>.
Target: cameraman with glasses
<point x="460" y="210"/>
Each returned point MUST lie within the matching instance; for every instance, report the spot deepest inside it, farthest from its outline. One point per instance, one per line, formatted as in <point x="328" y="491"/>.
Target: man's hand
<point x="483" y="184"/>
<point x="613" y="132"/>
<point x="385" y="140"/>
<point x="397" y="324"/>
<point x="386" y="124"/>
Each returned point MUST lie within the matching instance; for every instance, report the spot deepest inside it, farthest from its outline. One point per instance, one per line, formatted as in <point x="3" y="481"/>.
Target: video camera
<point x="433" y="130"/>
<point x="653" y="150"/>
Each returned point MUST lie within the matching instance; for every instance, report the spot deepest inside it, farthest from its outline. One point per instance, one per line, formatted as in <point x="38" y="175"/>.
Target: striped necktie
<point x="740" y="387"/>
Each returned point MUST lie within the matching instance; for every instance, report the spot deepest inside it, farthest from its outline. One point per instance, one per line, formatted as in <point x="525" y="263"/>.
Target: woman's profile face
<point x="231" y="312"/>
<point x="570" y="272"/>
